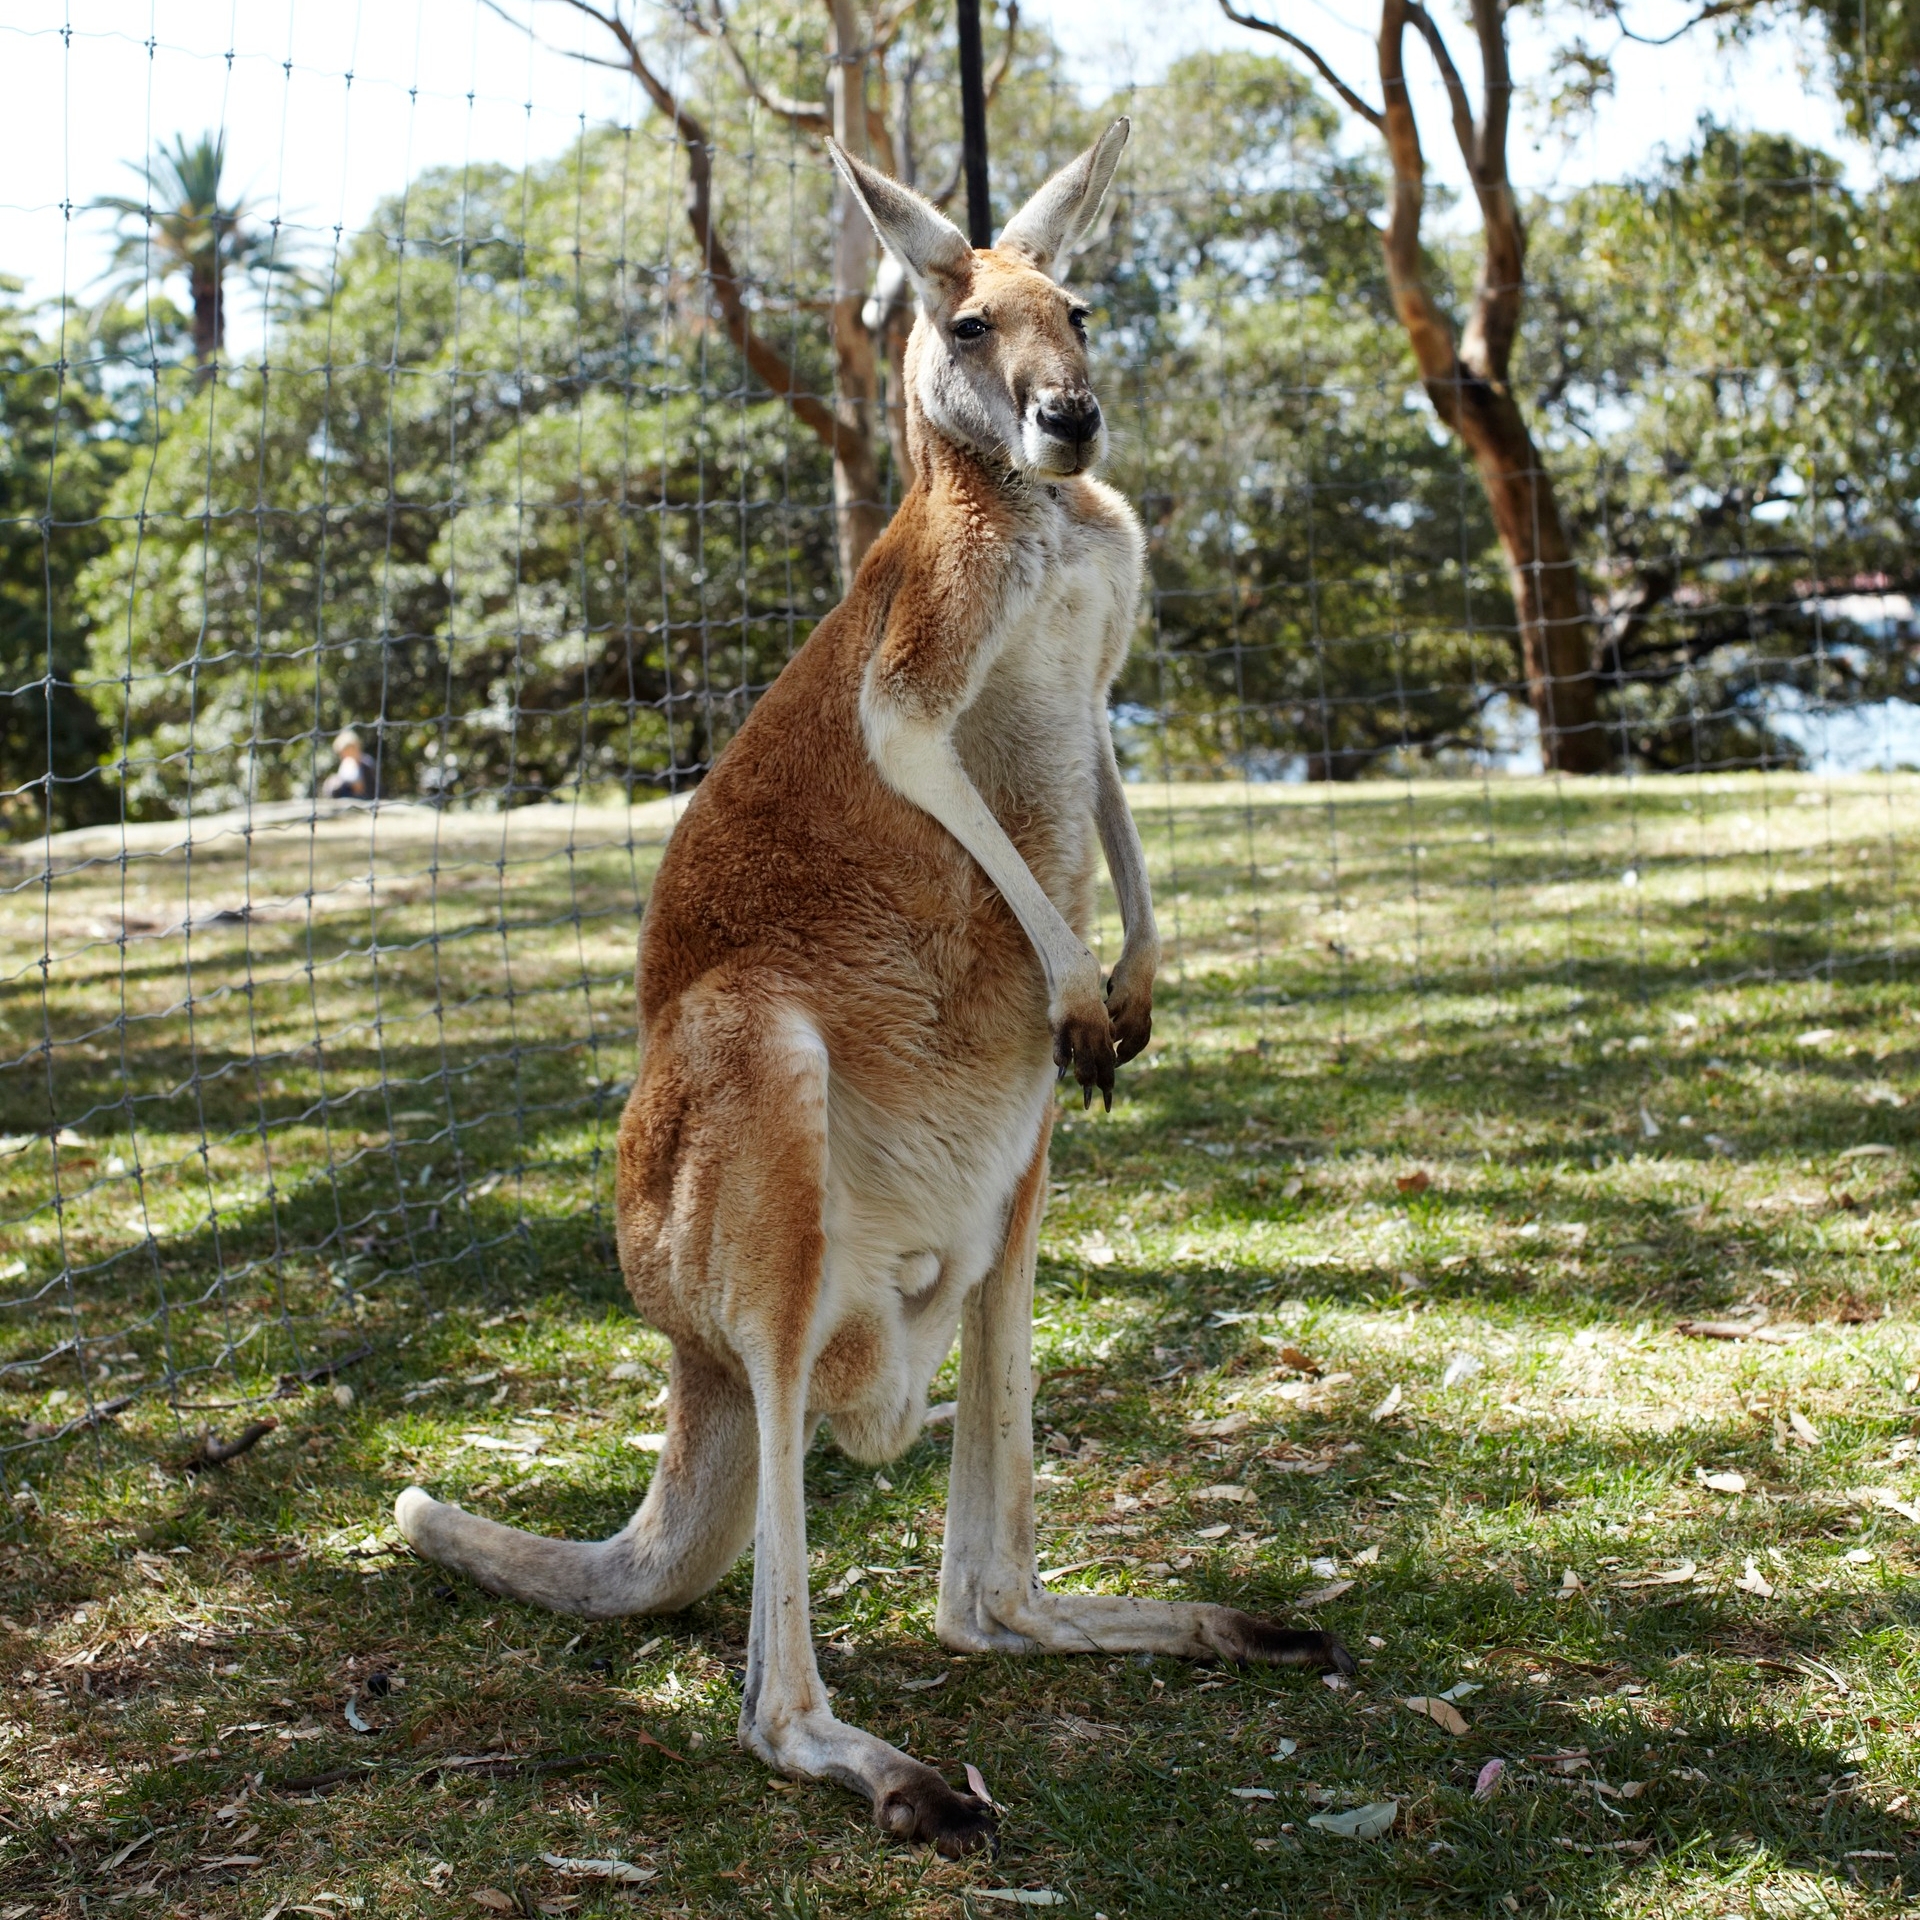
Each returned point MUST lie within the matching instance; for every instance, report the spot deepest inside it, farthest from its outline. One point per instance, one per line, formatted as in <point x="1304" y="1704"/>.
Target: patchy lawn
<point x="1465" y="1100"/>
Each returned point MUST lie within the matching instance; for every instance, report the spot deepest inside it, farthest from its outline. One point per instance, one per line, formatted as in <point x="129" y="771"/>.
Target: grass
<point x="1463" y="1100"/>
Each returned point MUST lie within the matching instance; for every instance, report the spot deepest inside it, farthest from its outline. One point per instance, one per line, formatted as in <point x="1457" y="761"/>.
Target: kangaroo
<point x="862" y="964"/>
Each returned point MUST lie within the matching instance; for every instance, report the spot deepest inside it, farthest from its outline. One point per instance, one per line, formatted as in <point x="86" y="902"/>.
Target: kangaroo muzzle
<point x="1064" y="431"/>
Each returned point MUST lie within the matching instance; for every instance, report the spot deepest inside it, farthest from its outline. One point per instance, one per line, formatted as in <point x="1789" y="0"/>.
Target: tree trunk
<point x="1555" y="638"/>
<point x="209" y="322"/>
<point x="860" y="516"/>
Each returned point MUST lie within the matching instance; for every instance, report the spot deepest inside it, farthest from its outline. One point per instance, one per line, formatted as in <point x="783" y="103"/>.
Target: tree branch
<point x="771" y="367"/>
<point x="1464" y="132"/>
<point x="1487" y="344"/>
<point x="1719" y="10"/>
<point x="810" y="115"/>
<point x="1371" y="115"/>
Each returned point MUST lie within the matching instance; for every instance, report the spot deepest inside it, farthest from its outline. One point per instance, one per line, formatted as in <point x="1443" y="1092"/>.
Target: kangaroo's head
<point x="998" y="357"/>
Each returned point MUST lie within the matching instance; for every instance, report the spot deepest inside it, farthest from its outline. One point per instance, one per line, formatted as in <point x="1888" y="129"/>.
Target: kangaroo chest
<point x="1031" y="738"/>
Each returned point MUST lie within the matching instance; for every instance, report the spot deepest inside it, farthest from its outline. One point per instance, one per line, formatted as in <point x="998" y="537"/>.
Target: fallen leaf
<point x="1217" y="1532"/>
<point x="1253" y="1793"/>
<point x="355" y="1719"/>
<point x="1754" y="1581"/>
<point x="230" y="1860"/>
<point x="1725" y="1482"/>
<point x="1324" y="1567"/>
<point x="1732" y="1330"/>
<point x="1300" y="1361"/>
<point x="1285" y="1749"/>
<point x="647" y="1442"/>
<point x="1319" y="1596"/>
<point x="495" y="1901"/>
<point x="1019" y="1896"/>
<point x="1366" y="1557"/>
<point x="923" y="1686"/>
<point x="126" y="1853"/>
<point x="1672" y="1577"/>
<point x="1227" y="1425"/>
<point x="618" y="1870"/>
<point x="1389" y="1406"/>
<point x="1462" y="1690"/>
<point x="1886" y="1497"/>
<point x="1570" y="1582"/>
<point x="1418" y="1181"/>
<point x="1814" y="1037"/>
<point x="1441" y="1712"/>
<point x="1335" y="1682"/>
<point x="1873" y="1150"/>
<point x="1363" y="1823"/>
<point x="1463" y="1366"/>
<point x="1487" y="1782"/>
<point x="1224" y="1493"/>
<point x="1632" y="1789"/>
<point x="1803" y="1429"/>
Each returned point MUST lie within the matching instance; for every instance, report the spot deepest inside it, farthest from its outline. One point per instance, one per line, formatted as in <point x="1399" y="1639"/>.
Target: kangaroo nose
<point x="1070" y="416"/>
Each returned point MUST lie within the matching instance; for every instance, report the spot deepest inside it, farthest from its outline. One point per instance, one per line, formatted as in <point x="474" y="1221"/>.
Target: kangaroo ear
<point x="1051" y="224"/>
<point x="924" y="241"/>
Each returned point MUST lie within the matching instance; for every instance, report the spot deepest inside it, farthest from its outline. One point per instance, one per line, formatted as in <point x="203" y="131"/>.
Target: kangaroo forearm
<point x="918" y="761"/>
<point x="1126" y="857"/>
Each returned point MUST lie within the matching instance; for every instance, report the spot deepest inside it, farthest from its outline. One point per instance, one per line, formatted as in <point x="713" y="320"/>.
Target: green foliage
<point x="56" y="464"/>
<point x="1730" y="368"/>
<point x="508" y="501"/>
<point x="503" y="503"/>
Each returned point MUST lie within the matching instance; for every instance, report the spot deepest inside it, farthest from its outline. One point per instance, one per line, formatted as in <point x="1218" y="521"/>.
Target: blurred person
<point x="353" y="779"/>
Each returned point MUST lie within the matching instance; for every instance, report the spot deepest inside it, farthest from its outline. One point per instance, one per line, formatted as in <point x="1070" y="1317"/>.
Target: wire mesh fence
<point x="532" y="482"/>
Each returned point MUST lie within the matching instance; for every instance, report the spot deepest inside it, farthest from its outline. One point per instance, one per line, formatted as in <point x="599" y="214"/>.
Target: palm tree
<point x="183" y="226"/>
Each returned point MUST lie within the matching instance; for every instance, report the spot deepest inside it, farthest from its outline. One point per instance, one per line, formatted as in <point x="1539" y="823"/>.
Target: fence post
<point x="973" y="125"/>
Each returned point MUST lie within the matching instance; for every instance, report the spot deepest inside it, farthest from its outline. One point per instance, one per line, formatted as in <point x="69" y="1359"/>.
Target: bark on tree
<point x="1467" y="379"/>
<point x="859" y="514"/>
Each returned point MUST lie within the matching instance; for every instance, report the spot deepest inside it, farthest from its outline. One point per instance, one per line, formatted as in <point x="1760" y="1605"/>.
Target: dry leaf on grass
<point x="495" y="1901"/>
<point x="1724" y="1482"/>
<point x="1418" y="1181"/>
<point x="1363" y="1823"/>
<point x="1253" y="1793"/>
<point x="1222" y="1429"/>
<point x="1570" y="1583"/>
<point x="1672" y="1577"/>
<point x="1487" y="1782"/>
<point x="1020" y="1896"/>
<point x="1886" y="1497"/>
<point x="621" y="1871"/>
<point x="1754" y="1581"/>
<point x="1732" y="1330"/>
<point x="1803" y="1429"/>
<point x="1389" y="1406"/>
<point x="1366" y="1557"/>
<point x="1229" y="1494"/>
<point x="1216" y="1532"/>
<point x="1300" y="1361"/>
<point x="1319" y="1596"/>
<point x="1443" y="1713"/>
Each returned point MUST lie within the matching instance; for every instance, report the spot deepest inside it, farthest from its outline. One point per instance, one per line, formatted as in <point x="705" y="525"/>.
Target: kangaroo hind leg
<point x="763" y="1071"/>
<point x="691" y="1527"/>
<point x="991" y="1599"/>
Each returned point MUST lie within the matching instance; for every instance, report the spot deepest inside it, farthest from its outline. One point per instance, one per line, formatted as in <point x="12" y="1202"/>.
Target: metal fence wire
<point x="534" y="480"/>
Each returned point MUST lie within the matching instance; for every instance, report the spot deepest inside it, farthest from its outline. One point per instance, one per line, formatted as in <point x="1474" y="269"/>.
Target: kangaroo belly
<point x="916" y="1217"/>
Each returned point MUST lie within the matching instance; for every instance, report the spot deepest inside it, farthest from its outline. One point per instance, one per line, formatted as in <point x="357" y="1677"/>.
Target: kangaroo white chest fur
<point x="863" y="960"/>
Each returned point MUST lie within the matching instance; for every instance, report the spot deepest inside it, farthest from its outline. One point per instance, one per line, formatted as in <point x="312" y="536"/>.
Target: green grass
<point x="1632" y="1103"/>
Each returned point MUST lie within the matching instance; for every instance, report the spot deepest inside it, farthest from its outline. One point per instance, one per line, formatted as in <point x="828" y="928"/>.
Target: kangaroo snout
<point x="1065" y="431"/>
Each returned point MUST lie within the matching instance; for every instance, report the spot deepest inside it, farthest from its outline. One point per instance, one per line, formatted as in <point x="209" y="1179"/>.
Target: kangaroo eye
<point x="1078" y="318"/>
<point x="970" y="327"/>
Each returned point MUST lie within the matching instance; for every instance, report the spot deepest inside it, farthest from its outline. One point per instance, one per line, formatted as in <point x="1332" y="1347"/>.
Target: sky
<point x="328" y="105"/>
